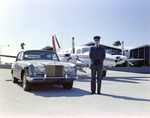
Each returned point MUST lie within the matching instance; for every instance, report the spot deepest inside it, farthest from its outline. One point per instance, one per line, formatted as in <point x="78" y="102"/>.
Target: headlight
<point x="39" y="69"/>
<point x="71" y="69"/>
<point x="68" y="69"/>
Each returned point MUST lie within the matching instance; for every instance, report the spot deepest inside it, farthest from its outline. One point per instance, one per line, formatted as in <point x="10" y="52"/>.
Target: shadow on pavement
<point x="55" y="91"/>
<point x="135" y="80"/>
<point x="126" y="98"/>
<point x="143" y="70"/>
<point x="8" y="79"/>
<point x="58" y="91"/>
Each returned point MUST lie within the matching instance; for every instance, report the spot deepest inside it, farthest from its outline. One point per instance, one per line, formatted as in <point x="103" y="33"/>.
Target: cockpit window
<point x="67" y="51"/>
<point x="85" y="50"/>
<point x="78" y="51"/>
<point x="40" y="55"/>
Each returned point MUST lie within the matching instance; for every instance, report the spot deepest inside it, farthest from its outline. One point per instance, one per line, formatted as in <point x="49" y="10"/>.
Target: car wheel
<point x="68" y="85"/>
<point x="25" y="84"/>
<point x="14" y="79"/>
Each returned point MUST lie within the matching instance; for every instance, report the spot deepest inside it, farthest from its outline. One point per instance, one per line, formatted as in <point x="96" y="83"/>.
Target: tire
<point x="68" y="85"/>
<point x="25" y="84"/>
<point x="104" y="73"/>
<point x="14" y="79"/>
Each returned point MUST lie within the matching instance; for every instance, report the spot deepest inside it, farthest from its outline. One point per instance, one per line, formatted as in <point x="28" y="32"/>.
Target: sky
<point x="33" y="22"/>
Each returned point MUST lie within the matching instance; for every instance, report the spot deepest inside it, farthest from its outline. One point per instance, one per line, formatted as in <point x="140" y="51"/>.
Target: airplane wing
<point x="134" y="60"/>
<point x="8" y="56"/>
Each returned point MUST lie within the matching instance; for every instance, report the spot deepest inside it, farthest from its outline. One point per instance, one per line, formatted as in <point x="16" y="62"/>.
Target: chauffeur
<point x="97" y="56"/>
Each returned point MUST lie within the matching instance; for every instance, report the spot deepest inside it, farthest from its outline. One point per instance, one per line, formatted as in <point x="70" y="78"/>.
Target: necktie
<point x="97" y="47"/>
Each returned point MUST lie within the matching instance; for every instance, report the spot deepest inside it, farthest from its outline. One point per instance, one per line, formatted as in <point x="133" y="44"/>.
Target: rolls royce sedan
<point x="39" y="66"/>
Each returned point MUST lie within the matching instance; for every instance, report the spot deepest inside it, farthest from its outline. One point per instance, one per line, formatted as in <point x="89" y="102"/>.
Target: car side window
<point x="18" y="57"/>
<point x="21" y="56"/>
<point x="49" y="57"/>
<point x="78" y="51"/>
<point x="54" y="57"/>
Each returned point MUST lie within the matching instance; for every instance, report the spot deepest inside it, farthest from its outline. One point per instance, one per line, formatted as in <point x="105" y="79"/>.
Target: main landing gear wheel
<point x="104" y="73"/>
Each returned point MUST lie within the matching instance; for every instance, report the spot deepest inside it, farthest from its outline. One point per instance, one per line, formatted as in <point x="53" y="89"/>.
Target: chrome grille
<point x="54" y="70"/>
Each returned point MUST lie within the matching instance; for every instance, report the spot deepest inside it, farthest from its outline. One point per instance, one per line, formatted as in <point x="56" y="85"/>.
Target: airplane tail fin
<point x="57" y="42"/>
<point x="53" y="42"/>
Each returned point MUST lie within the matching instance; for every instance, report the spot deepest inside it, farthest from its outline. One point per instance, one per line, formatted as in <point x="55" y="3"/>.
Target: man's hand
<point x="97" y="62"/>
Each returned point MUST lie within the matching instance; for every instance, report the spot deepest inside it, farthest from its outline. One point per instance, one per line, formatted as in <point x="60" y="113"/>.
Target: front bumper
<point x="50" y="79"/>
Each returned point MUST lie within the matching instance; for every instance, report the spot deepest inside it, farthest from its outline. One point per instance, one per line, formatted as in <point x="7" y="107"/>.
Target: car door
<point x="20" y="64"/>
<point x="16" y="66"/>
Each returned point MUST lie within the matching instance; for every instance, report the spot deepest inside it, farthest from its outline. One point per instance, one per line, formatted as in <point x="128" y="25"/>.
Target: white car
<point x="39" y="66"/>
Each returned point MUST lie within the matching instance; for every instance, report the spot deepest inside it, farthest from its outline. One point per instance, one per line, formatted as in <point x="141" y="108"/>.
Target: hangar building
<point x="141" y="52"/>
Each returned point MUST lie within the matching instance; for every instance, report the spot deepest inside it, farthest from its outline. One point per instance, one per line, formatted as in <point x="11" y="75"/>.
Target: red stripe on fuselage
<point x="61" y="54"/>
<point x="110" y="59"/>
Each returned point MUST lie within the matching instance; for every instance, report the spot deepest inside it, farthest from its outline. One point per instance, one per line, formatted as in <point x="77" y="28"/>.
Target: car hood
<point x="47" y="62"/>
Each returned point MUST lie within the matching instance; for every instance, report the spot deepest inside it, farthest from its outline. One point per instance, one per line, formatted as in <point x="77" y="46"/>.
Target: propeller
<point x="123" y="58"/>
<point x="75" y="57"/>
<point x="129" y="62"/>
<point x="69" y="59"/>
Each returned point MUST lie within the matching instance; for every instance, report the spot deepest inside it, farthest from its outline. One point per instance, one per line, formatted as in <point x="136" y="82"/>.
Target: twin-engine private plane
<point x="80" y="56"/>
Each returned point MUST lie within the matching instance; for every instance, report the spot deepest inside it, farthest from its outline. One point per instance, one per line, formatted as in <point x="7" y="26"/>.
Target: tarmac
<point x="124" y="95"/>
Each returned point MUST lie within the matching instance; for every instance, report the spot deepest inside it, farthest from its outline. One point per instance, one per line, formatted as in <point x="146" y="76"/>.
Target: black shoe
<point x="92" y="92"/>
<point x="99" y="92"/>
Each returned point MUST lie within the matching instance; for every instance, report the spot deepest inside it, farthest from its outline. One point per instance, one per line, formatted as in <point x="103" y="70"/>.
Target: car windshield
<point x="40" y="55"/>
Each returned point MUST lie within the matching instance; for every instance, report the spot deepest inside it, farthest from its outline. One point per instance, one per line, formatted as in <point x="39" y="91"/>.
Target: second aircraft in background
<point x="80" y="56"/>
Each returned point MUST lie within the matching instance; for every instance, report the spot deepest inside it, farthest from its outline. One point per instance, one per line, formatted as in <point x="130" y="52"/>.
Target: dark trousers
<point x="94" y="72"/>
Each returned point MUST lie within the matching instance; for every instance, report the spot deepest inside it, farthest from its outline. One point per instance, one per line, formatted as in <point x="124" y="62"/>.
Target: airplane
<point x="80" y="56"/>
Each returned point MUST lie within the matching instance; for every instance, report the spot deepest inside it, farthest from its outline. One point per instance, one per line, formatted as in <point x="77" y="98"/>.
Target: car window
<point x="49" y="57"/>
<point x="32" y="56"/>
<point x="21" y="56"/>
<point x="54" y="57"/>
<point x="18" y="57"/>
<point x="40" y="55"/>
